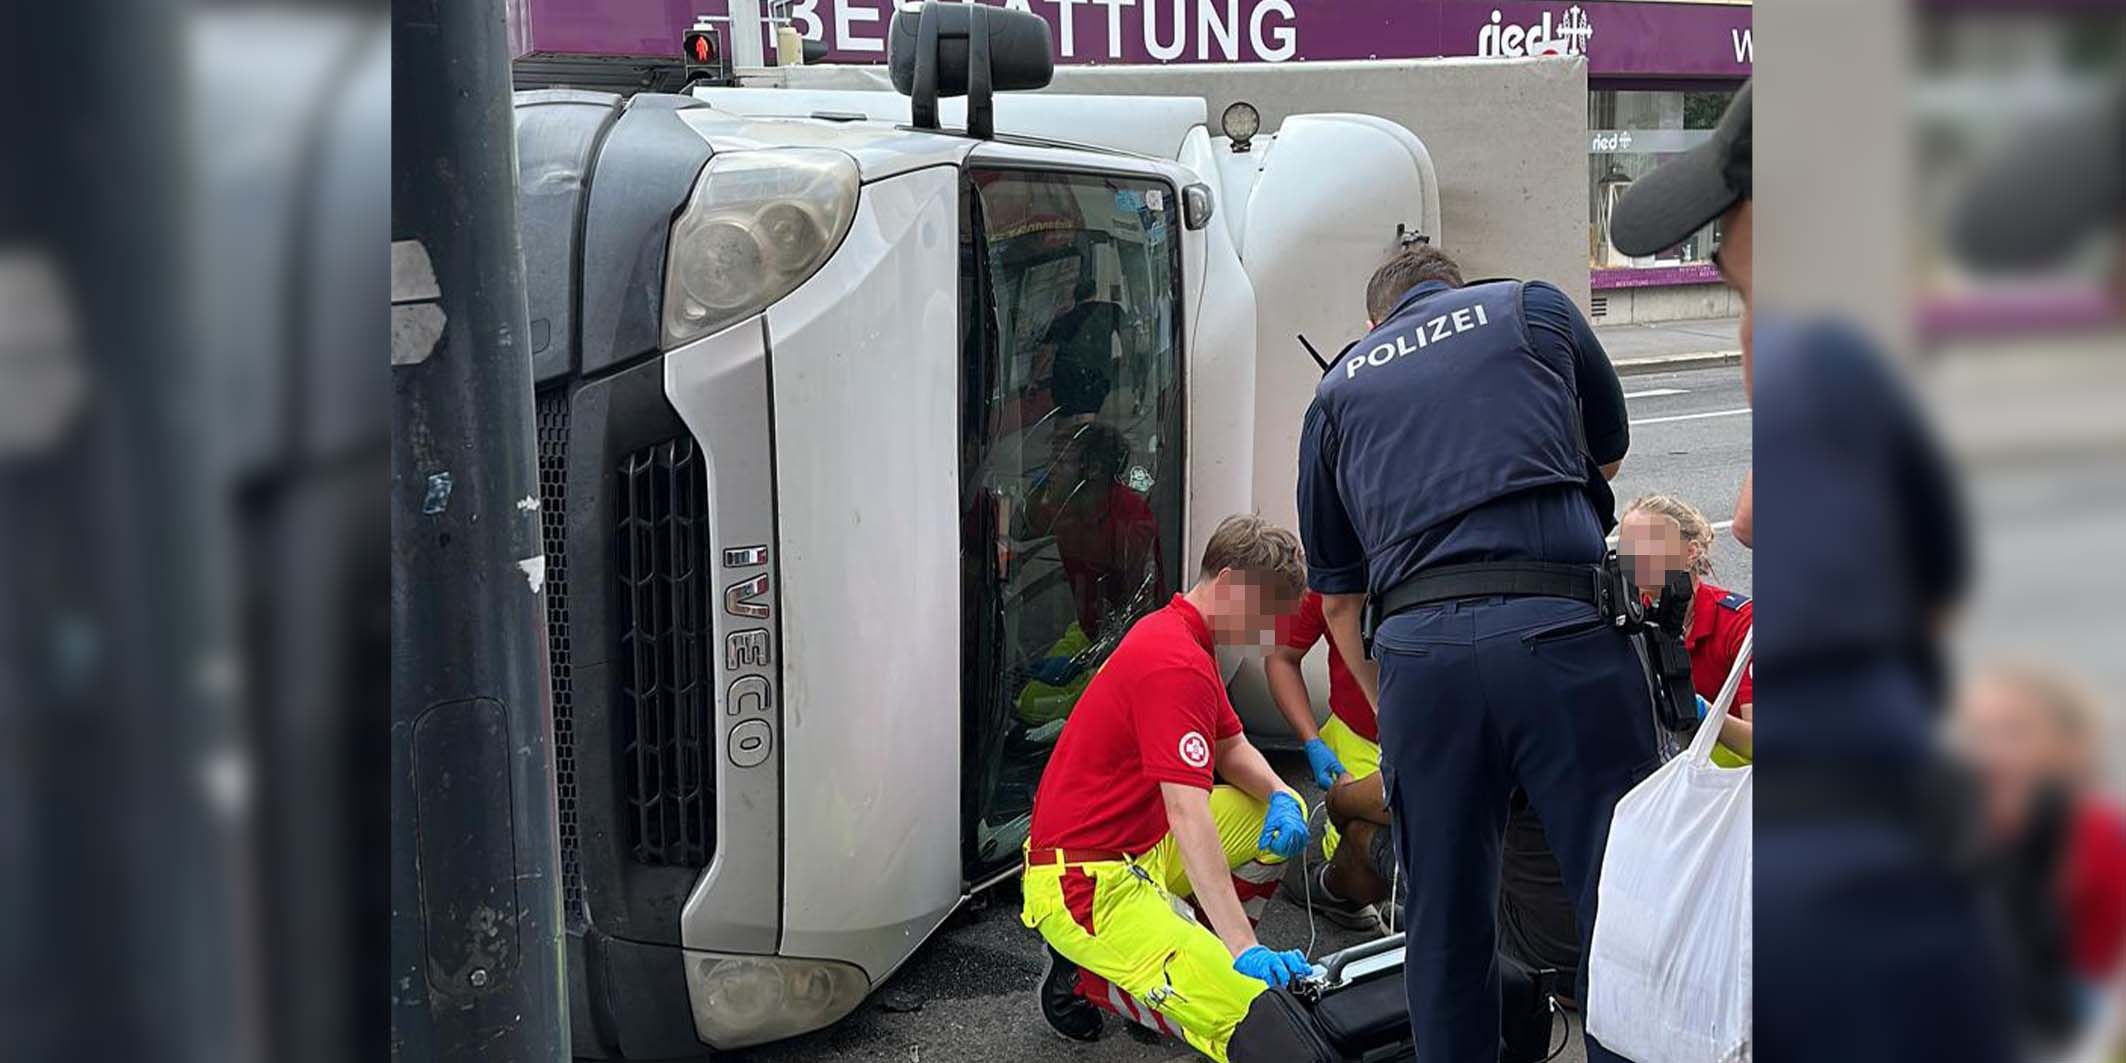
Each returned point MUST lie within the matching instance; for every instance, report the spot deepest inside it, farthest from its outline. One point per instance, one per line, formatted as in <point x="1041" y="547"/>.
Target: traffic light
<point x="701" y="55"/>
<point x="700" y="47"/>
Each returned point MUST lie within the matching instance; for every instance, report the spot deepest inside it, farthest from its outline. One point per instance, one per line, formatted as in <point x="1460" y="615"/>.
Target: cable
<point x="1395" y="881"/>
<point x="1562" y="1041"/>
<point x="1306" y="872"/>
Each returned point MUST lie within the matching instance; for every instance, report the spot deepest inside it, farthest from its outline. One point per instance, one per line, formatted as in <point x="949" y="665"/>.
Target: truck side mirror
<point x="954" y="49"/>
<point x="1197" y="206"/>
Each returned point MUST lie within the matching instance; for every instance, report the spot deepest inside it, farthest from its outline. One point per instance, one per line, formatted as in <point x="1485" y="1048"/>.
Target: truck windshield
<point x="1071" y="472"/>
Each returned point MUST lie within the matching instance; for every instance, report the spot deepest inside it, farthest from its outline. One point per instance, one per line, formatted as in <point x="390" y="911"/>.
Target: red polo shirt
<point x="1154" y="714"/>
<point x="1107" y="554"/>
<point x="1347" y="700"/>
<point x="1719" y="618"/>
<point x="2095" y="884"/>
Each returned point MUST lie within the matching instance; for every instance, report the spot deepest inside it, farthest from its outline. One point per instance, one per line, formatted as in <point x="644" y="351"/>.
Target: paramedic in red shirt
<point x="1660" y="534"/>
<point x="2026" y="729"/>
<point x="1345" y="748"/>
<point x="1131" y="815"/>
<point x="1657" y="534"/>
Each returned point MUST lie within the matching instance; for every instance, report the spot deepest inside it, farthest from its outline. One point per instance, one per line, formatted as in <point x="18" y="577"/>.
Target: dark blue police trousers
<point x="1477" y="696"/>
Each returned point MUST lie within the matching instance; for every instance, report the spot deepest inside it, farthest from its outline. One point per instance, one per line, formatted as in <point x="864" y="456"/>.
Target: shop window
<point x="1629" y="134"/>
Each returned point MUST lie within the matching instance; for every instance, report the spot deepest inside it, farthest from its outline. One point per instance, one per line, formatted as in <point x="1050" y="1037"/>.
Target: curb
<point x="1671" y="363"/>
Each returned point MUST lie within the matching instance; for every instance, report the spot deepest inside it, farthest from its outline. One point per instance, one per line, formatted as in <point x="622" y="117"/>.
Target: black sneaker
<point x="1071" y="1016"/>
<point x="1361" y="917"/>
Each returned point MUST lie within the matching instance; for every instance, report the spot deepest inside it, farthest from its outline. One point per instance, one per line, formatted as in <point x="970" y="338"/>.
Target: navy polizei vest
<point x="1443" y="407"/>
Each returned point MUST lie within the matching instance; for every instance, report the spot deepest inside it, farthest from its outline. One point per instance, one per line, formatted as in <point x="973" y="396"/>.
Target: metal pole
<point x="476" y="931"/>
<point x="748" y="49"/>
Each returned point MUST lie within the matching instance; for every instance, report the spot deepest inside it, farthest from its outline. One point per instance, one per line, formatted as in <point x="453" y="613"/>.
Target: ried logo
<point x="1567" y="36"/>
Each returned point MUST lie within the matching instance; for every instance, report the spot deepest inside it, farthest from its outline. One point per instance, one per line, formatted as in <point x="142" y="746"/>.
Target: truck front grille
<point x="665" y="670"/>
<point x="553" y="536"/>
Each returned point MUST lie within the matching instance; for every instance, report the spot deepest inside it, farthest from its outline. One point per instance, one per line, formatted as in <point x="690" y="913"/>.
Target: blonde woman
<point x="1660" y="534"/>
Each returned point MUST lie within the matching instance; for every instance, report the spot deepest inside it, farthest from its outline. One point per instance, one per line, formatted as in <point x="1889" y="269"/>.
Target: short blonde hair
<point x="1248" y="543"/>
<point x="1697" y="531"/>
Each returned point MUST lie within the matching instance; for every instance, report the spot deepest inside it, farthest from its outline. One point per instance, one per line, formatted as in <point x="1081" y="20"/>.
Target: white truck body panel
<point x="865" y="386"/>
<point x="1320" y="216"/>
<point x="718" y="385"/>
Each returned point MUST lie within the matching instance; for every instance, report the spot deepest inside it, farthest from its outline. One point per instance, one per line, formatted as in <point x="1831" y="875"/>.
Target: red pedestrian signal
<point x="699" y="47"/>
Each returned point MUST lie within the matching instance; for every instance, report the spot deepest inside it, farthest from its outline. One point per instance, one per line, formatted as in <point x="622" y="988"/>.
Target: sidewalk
<point x="1672" y="345"/>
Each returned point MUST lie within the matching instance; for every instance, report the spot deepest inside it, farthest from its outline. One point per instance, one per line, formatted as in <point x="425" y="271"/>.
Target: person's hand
<point x="1054" y="671"/>
<point x="1705" y="708"/>
<point x="1284" y="830"/>
<point x="1323" y="760"/>
<point x="1275" y="968"/>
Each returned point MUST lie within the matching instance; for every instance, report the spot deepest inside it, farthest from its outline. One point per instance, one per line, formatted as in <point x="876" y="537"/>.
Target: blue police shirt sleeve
<point x="1563" y="337"/>
<point x="1336" y="562"/>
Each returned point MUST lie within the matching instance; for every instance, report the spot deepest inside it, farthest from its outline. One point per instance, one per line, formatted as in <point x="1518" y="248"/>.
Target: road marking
<point x="1655" y="393"/>
<point x="1691" y="416"/>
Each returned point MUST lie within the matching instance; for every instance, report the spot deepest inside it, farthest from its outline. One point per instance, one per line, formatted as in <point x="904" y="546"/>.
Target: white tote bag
<point x="1669" y="971"/>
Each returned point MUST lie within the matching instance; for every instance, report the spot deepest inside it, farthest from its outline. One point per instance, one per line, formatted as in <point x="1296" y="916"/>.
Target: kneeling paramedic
<point x="1130" y="827"/>
<point x="1453" y="486"/>
<point x="1343" y="749"/>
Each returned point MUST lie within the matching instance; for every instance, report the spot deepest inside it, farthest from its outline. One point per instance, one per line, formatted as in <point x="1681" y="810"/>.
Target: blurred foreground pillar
<point x="476" y="927"/>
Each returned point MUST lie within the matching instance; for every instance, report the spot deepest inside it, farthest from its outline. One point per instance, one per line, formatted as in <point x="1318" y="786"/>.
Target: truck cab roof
<point x="880" y="149"/>
<point x="873" y="126"/>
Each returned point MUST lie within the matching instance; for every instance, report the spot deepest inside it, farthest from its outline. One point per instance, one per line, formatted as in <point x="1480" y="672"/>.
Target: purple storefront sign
<point x="1653" y="276"/>
<point x="1618" y="39"/>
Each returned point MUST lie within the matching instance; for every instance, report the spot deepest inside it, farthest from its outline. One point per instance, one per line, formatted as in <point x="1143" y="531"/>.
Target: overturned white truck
<point x="864" y="430"/>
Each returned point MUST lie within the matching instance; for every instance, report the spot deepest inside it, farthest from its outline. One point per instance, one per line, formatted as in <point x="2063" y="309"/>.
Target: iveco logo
<point x="751" y="697"/>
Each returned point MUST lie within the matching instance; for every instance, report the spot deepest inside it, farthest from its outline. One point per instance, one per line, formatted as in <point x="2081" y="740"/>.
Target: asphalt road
<point x="968" y="995"/>
<point x="1690" y="437"/>
<point x="2046" y="590"/>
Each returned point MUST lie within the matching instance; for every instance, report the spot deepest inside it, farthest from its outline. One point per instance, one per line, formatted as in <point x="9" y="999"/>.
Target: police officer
<point x="1874" y="944"/>
<point x="1453" y="483"/>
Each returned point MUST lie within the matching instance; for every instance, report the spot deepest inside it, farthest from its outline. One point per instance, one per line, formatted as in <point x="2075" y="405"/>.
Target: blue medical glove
<point x="1323" y="760"/>
<point x="1276" y="968"/>
<point x="1705" y="707"/>
<point x="1284" y="830"/>
<point x="1054" y="671"/>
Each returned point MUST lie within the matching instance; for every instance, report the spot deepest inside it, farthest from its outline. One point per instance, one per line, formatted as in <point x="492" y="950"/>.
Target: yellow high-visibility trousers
<point x="1129" y="922"/>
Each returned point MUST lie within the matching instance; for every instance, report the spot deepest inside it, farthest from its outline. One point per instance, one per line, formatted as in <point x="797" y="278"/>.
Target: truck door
<point x="1071" y="461"/>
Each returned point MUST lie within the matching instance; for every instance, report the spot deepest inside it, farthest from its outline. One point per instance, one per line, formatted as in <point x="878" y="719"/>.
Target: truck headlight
<point x="757" y="225"/>
<point x="748" y="1000"/>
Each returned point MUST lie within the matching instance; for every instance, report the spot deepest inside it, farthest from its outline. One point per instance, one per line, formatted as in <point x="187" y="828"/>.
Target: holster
<point x="1607" y="586"/>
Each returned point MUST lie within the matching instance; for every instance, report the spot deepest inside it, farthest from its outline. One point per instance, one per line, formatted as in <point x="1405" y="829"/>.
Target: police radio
<point x="1668" y="662"/>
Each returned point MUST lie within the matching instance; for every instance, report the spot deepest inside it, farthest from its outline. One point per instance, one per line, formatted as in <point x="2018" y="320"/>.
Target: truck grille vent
<point x="666" y="680"/>
<point x="553" y="525"/>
